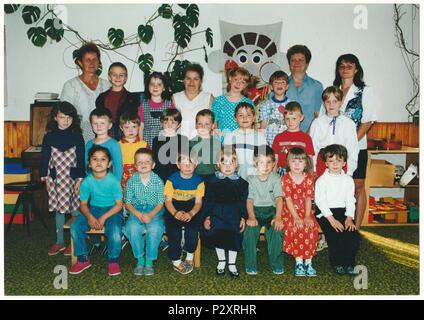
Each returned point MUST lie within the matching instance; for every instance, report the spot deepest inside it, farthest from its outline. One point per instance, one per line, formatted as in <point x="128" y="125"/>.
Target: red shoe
<point x="80" y="267"/>
<point x="68" y="251"/>
<point x="114" y="269"/>
<point x="55" y="249"/>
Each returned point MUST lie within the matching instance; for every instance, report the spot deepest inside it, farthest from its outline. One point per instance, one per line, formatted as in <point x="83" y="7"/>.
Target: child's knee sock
<point x="60" y="222"/>
<point x="141" y="261"/>
<point x="221" y="258"/>
<point x="298" y="260"/>
<point x="149" y="263"/>
<point x="232" y="257"/>
<point x="308" y="261"/>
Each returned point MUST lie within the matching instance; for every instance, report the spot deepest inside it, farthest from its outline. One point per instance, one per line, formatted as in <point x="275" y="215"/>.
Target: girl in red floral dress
<point x="300" y="226"/>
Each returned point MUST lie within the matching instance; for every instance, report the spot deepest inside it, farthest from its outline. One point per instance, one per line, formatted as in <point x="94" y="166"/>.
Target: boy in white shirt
<point x="335" y="199"/>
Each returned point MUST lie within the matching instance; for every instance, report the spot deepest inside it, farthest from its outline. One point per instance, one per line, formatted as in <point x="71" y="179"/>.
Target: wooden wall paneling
<point x="406" y="132"/>
<point x="16" y="138"/>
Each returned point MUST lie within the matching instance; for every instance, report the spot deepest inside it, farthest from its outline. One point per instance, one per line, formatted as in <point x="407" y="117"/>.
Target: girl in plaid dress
<point x="62" y="166"/>
<point x="300" y="226"/>
<point x="156" y="100"/>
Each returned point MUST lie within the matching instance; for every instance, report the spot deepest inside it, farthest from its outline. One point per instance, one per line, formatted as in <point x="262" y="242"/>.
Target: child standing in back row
<point x="300" y="226"/>
<point x="62" y="167"/>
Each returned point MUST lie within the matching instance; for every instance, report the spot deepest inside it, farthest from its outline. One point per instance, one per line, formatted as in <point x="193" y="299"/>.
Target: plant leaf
<point x="145" y="62"/>
<point x="209" y="37"/>
<point x="31" y="14"/>
<point x="176" y="75"/>
<point x="37" y="35"/>
<point x="54" y="29"/>
<point x="182" y="32"/>
<point x="115" y="36"/>
<point x="192" y="14"/>
<point x="165" y="11"/>
<point x="10" y="8"/>
<point x="183" y="5"/>
<point x="145" y="33"/>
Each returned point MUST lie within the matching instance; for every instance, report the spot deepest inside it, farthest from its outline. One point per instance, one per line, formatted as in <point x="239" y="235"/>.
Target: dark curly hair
<point x="68" y="109"/>
<point x="86" y="48"/>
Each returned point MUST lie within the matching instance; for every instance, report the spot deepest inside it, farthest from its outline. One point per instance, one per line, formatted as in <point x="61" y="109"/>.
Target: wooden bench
<point x="102" y="233"/>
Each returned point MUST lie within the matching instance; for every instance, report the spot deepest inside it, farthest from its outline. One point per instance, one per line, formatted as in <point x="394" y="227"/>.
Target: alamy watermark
<point x="360" y="20"/>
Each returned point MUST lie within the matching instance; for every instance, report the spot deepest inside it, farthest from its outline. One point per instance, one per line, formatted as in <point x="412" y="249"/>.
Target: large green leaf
<point x="182" y="32"/>
<point x="209" y="37"/>
<point x="10" y="8"/>
<point x="31" y="14"/>
<point x="165" y="11"/>
<point x="37" y="35"/>
<point x="192" y="14"/>
<point x="176" y="75"/>
<point x="115" y="36"/>
<point x="145" y="62"/>
<point x="183" y="5"/>
<point x="54" y="29"/>
<point x="145" y="33"/>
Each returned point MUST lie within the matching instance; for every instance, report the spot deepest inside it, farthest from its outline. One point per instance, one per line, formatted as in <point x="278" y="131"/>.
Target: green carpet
<point x="391" y="255"/>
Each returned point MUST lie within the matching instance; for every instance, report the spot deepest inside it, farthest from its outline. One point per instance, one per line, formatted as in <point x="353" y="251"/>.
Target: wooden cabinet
<point x="411" y="190"/>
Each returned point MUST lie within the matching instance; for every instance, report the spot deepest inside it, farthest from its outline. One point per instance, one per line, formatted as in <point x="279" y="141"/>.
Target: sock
<point x="299" y="260"/>
<point x="232" y="256"/>
<point x="60" y="222"/>
<point x="176" y="263"/>
<point x="140" y="261"/>
<point x="82" y="258"/>
<point x="189" y="256"/>
<point x="221" y="258"/>
<point x="308" y="261"/>
<point x="149" y="263"/>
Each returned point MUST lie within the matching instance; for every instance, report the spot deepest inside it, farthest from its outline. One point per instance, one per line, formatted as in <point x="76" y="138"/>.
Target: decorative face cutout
<point x="254" y="48"/>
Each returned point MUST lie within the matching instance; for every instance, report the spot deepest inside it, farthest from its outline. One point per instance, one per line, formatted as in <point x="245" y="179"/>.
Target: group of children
<point x="227" y="192"/>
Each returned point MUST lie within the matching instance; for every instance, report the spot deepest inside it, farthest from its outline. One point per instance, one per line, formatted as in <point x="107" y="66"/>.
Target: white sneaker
<point x="321" y="245"/>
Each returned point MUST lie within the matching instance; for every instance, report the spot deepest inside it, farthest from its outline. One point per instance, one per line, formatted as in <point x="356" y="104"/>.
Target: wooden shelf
<point x="398" y="186"/>
<point x="404" y="149"/>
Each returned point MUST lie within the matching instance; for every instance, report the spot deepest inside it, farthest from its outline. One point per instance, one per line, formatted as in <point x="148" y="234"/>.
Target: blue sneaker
<point x="299" y="270"/>
<point x="278" y="271"/>
<point x="310" y="271"/>
<point x="139" y="270"/>
<point x="251" y="271"/>
<point x="149" y="271"/>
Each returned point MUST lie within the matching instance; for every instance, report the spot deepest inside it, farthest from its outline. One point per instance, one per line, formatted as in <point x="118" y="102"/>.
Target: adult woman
<point x="359" y="104"/>
<point x="192" y="99"/>
<point x="83" y="90"/>
<point x="302" y="88"/>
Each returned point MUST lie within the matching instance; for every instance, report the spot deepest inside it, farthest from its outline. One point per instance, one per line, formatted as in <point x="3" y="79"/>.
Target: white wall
<point x="326" y="29"/>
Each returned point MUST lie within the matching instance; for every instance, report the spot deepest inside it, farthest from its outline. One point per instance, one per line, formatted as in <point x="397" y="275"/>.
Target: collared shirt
<point x="272" y="111"/>
<point x="335" y="191"/>
<point x="264" y="193"/>
<point x="325" y="131"/>
<point x="309" y="96"/>
<point x="139" y="194"/>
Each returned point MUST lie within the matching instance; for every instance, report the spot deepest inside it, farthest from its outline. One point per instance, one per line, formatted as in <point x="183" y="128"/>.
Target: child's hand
<point x="335" y="224"/>
<point x="93" y="223"/>
<point x="298" y="222"/>
<point x="242" y="225"/>
<point x="207" y="223"/>
<point x="146" y="218"/>
<point x="278" y="224"/>
<point x="101" y="221"/>
<point x="252" y="222"/>
<point x="187" y="217"/>
<point x="349" y="225"/>
<point x="178" y="215"/>
<point x="309" y="223"/>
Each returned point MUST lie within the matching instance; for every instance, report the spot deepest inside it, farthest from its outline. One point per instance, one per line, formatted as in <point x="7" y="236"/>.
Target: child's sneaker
<point x="68" y="251"/>
<point x="163" y="245"/>
<point x="139" y="270"/>
<point x="350" y="271"/>
<point x="184" y="268"/>
<point x="55" y="249"/>
<point x="80" y="267"/>
<point x="309" y="270"/>
<point x="299" y="270"/>
<point x="149" y="271"/>
<point x="340" y="270"/>
<point x="321" y="244"/>
<point x="114" y="269"/>
<point x="251" y="271"/>
<point x="278" y="271"/>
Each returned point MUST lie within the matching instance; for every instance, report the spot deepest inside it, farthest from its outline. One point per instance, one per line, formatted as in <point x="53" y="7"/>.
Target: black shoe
<point x="340" y="270"/>
<point x="350" y="271"/>
<point x="233" y="274"/>
<point x="220" y="272"/>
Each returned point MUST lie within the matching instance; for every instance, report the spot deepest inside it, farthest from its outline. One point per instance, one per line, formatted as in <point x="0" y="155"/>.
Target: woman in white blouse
<point x="83" y="90"/>
<point x="190" y="101"/>
<point x="359" y="104"/>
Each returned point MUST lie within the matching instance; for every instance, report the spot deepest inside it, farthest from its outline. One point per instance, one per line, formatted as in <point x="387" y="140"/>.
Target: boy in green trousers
<point x="264" y="208"/>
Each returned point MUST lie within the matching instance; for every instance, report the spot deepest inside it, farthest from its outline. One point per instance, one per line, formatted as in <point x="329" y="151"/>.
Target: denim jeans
<point x="134" y="230"/>
<point x="113" y="232"/>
